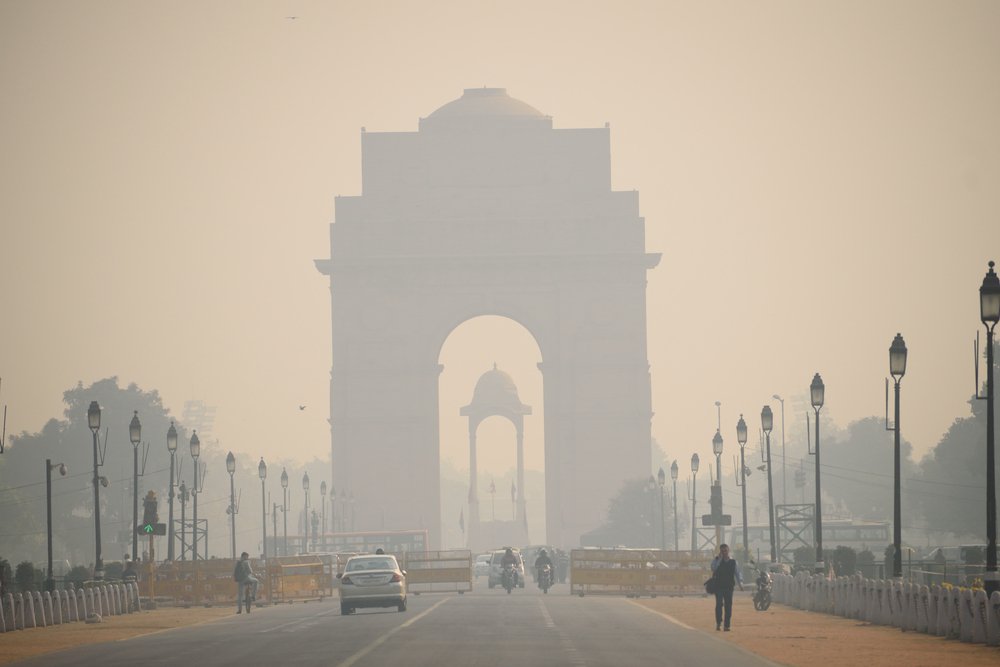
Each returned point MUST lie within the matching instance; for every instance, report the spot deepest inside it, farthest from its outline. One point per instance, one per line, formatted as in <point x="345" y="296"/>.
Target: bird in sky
<point x="302" y="407"/>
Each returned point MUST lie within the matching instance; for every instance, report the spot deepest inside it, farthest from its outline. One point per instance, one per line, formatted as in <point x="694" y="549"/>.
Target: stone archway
<point x="487" y="210"/>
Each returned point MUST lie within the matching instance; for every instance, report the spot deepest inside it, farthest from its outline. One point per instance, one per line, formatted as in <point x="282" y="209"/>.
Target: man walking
<point x="727" y="575"/>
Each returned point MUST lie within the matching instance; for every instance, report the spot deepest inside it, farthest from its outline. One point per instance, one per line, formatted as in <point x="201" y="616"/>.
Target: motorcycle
<point x="762" y="595"/>
<point x="545" y="578"/>
<point x="508" y="578"/>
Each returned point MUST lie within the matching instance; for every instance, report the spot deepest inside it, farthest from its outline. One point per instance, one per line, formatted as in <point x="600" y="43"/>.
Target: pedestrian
<point x="727" y="575"/>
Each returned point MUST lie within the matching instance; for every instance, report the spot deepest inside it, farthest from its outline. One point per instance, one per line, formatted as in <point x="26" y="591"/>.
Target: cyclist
<point x="243" y="574"/>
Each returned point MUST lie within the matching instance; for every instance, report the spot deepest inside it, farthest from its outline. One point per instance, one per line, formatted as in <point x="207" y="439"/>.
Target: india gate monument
<point x="487" y="210"/>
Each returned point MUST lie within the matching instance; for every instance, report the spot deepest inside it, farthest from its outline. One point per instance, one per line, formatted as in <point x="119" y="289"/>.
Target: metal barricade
<point x="438" y="571"/>
<point x="204" y="582"/>
<point x="299" y="577"/>
<point x="638" y="572"/>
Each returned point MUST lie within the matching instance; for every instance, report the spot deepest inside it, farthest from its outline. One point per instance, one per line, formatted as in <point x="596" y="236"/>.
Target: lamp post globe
<point x="989" y="313"/>
<point x="674" y="471"/>
<point x="766" y="425"/>
<point x="195" y="447"/>
<point x="717" y="450"/>
<point x="262" y="469"/>
<point x="695" y="463"/>
<point x="817" y="392"/>
<point x="284" y="478"/>
<point x="94" y="416"/>
<point x="897" y="358"/>
<point x="741" y="432"/>
<point x="661" y="477"/>
<point x="135" y="436"/>
<point x="305" y="482"/>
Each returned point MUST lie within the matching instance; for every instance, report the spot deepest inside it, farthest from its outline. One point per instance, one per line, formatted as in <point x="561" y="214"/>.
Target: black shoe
<point x="718" y="626"/>
<point x="726" y="629"/>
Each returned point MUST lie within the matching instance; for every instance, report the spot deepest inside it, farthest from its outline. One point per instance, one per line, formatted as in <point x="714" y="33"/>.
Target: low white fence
<point x="957" y="613"/>
<point x="38" y="610"/>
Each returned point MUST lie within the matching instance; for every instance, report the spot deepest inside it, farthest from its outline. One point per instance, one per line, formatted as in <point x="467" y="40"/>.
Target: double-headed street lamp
<point x="741" y="438"/>
<point x="817" y="394"/>
<point x="50" y="583"/>
<point x="231" y="469"/>
<point x="897" y="368"/>
<point x="695" y="464"/>
<point x="262" y="473"/>
<point x="284" y="506"/>
<point x="195" y="453"/>
<point x="661" y="478"/>
<point x="766" y="424"/>
<point x="673" y="478"/>
<point x="305" y="516"/>
<point x="135" y="436"/>
<point x="989" y="312"/>
<point x="172" y="448"/>
<point x="94" y="422"/>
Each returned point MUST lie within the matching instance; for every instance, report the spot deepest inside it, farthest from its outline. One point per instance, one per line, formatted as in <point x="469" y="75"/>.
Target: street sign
<point x="151" y="529"/>
<point x="722" y="520"/>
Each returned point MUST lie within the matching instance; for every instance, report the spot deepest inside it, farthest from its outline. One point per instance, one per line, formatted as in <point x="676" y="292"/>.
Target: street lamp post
<point x="695" y="463"/>
<point x="134" y="436"/>
<point x="741" y="438"/>
<point x="231" y="469"/>
<point x="50" y="583"/>
<point x="305" y="516"/>
<point x="182" y="493"/>
<point x="262" y="473"/>
<point x="195" y="453"/>
<point x="322" y="494"/>
<point x="650" y="490"/>
<point x="172" y="448"/>
<point x="784" y="481"/>
<point x="284" y="506"/>
<point x="94" y="422"/>
<point x="673" y="478"/>
<point x="767" y="424"/>
<point x="897" y="368"/>
<point x="661" y="477"/>
<point x="717" y="449"/>
<point x="989" y="310"/>
<point x="817" y="395"/>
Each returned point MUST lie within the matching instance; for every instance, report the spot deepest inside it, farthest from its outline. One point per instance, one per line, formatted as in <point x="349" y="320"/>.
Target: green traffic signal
<point x="148" y="529"/>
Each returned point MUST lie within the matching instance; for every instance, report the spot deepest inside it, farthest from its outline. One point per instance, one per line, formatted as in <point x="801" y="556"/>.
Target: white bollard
<point x="979" y="616"/>
<point x="88" y="603"/>
<point x="11" y="612"/>
<point x="993" y="620"/>
<point x="57" y="607"/>
<point x="79" y="605"/>
<point x="923" y="609"/>
<point x="3" y="618"/>
<point x="965" y="615"/>
<point x="47" y="600"/>
<point x="28" y="604"/>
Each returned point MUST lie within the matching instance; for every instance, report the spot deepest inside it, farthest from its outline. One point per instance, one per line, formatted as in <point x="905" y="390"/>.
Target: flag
<point x="461" y="520"/>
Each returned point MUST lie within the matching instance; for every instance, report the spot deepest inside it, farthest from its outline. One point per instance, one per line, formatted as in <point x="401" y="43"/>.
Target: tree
<point x="26" y="577"/>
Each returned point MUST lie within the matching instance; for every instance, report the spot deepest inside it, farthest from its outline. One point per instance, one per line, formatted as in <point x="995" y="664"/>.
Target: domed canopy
<point x="477" y="105"/>
<point x="496" y="393"/>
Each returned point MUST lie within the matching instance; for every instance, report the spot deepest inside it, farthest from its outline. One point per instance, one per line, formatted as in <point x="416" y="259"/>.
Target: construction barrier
<point x="438" y="571"/>
<point x="204" y="582"/>
<point x="638" y="572"/>
<point x="309" y="576"/>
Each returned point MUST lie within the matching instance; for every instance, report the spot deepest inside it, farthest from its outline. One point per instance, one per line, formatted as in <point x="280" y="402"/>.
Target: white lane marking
<point x="298" y="621"/>
<point x="549" y="623"/>
<point x="384" y="638"/>
<point x="660" y="613"/>
<point x="567" y="644"/>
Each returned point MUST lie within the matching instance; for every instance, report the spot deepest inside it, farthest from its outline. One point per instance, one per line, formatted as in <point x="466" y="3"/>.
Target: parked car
<point x="372" y="581"/>
<point x="495" y="575"/>
<point x="482" y="566"/>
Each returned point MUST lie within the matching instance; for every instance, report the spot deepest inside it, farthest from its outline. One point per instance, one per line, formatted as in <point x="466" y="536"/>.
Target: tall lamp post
<point x="262" y="473"/>
<point x="717" y="450"/>
<point x="172" y="448"/>
<point x="661" y="478"/>
<point x="284" y="506"/>
<point x="182" y="493"/>
<point x="195" y="490"/>
<point x="673" y="478"/>
<point x="817" y="394"/>
<point x="322" y="494"/>
<point x="50" y="583"/>
<point x="650" y="490"/>
<point x="94" y="422"/>
<point x="134" y="436"/>
<point x="784" y="481"/>
<point x="695" y="464"/>
<point x="767" y="424"/>
<point x="305" y="516"/>
<point x="231" y="469"/>
<point x="989" y="310"/>
<point x="897" y="368"/>
<point x="741" y="438"/>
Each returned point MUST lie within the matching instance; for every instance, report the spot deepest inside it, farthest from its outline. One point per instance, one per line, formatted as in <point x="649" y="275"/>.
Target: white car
<point x="496" y="574"/>
<point x="374" y="580"/>
<point x="482" y="566"/>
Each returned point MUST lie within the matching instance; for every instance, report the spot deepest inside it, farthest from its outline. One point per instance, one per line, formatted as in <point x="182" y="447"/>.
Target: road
<point x="481" y="629"/>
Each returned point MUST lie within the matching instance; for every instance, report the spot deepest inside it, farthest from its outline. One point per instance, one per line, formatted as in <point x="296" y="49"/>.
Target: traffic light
<point x="715" y="501"/>
<point x="149" y="515"/>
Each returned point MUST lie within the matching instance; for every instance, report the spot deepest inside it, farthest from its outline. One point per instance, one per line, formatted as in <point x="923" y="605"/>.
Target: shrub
<point x="25" y="576"/>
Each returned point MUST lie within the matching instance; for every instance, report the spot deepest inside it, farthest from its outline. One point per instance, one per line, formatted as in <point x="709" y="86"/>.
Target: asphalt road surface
<point x="483" y="628"/>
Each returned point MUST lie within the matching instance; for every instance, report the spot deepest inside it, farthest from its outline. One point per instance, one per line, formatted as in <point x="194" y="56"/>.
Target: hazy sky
<point x="817" y="175"/>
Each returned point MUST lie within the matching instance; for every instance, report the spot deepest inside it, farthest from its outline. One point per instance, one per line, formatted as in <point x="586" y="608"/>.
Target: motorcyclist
<point x="243" y="574"/>
<point x="540" y="562"/>
<point x="509" y="559"/>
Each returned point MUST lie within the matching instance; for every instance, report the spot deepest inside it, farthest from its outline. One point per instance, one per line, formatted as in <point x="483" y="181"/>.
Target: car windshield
<point x="376" y="563"/>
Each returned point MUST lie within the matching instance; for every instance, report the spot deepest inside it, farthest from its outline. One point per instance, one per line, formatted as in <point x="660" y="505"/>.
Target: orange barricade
<point x="636" y="572"/>
<point x="309" y="576"/>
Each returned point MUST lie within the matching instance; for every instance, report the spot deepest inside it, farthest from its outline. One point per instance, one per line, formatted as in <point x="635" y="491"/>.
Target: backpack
<point x="240" y="572"/>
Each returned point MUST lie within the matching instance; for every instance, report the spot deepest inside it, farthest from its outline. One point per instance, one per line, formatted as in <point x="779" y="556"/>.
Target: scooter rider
<point x="540" y="562"/>
<point x="509" y="559"/>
